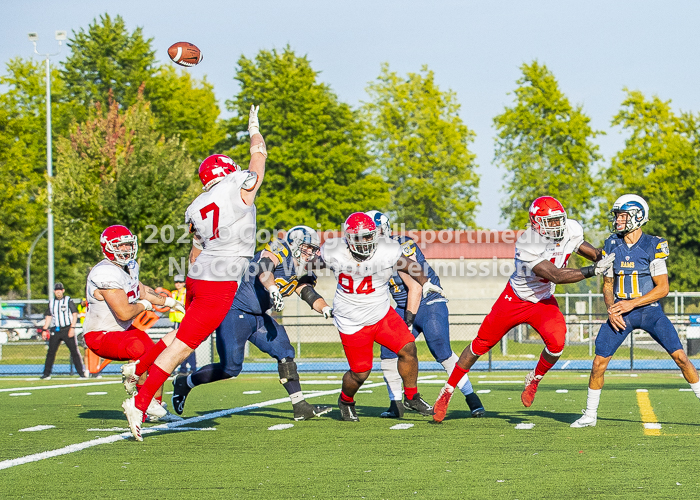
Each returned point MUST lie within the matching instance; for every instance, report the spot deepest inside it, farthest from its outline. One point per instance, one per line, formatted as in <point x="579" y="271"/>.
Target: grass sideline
<point x="327" y="458"/>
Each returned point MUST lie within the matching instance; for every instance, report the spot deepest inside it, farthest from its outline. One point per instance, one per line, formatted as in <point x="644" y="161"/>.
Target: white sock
<point x="593" y="400"/>
<point x="296" y="397"/>
<point x="190" y="384"/>
<point x="696" y="388"/>
<point x="464" y="384"/>
<point x="394" y="384"/>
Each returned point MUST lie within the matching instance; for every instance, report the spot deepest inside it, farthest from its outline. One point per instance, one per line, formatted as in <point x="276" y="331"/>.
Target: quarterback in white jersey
<point x="114" y="296"/>
<point x="541" y="254"/>
<point x="363" y="264"/>
<point x="222" y="220"/>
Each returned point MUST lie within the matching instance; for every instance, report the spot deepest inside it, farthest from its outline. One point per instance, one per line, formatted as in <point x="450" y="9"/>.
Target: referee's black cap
<point x="58" y="286"/>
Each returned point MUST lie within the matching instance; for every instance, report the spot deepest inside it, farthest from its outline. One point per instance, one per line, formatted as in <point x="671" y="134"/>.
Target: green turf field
<point x="326" y="458"/>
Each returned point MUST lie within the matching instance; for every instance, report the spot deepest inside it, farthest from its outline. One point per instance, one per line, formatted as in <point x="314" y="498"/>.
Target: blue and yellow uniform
<point x="248" y="320"/>
<point x="633" y="278"/>
<point x="432" y="318"/>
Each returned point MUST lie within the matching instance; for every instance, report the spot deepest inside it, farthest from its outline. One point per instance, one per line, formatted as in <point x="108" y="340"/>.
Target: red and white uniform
<point x="527" y="298"/>
<point x="531" y="248"/>
<point x="225" y="227"/>
<point x="362" y="296"/>
<point x="362" y="309"/>
<point x="105" y="334"/>
<point x="108" y="276"/>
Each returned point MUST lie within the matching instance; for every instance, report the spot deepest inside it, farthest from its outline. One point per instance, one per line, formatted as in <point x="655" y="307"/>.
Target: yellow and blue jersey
<point x="252" y="297"/>
<point x="396" y="285"/>
<point x="631" y="270"/>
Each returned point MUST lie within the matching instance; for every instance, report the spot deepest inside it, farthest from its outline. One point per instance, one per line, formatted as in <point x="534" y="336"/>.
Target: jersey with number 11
<point x="225" y="227"/>
<point x="362" y="295"/>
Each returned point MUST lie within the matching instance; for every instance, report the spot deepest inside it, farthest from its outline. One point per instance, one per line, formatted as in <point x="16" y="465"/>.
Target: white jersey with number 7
<point x="362" y="296"/>
<point x="225" y="227"/>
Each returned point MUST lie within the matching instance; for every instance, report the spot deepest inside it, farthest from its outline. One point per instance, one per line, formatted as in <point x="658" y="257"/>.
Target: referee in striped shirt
<point x="62" y="316"/>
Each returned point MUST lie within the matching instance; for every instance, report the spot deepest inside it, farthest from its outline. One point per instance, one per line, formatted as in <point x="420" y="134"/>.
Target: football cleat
<point x="395" y="410"/>
<point x="180" y="392"/>
<point x="443" y="401"/>
<point x="418" y="404"/>
<point x="155" y="410"/>
<point x="475" y="405"/>
<point x="129" y="378"/>
<point x="134" y="416"/>
<point x="531" y="383"/>
<point x="303" y="410"/>
<point x="347" y="411"/>
<point x="167" y="416"/>
<point x="589" y="419"/>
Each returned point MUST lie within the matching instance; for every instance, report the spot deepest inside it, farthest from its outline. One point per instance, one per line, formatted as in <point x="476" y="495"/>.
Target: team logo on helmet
<point x="381" y="221"/>
<point x="214" y="168"/>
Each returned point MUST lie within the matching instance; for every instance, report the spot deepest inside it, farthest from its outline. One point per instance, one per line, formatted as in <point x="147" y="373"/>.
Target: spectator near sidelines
<point x="63" y="314"/>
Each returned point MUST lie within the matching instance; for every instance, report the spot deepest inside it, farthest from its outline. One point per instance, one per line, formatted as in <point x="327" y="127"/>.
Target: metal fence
<point x="318" y="349"/>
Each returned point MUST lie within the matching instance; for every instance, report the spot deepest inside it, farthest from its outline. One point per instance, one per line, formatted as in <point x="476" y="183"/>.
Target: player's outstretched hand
<point x="276" y="298"/>
<point x="327" y="312"/>
<point x="253" y="123"/>
<point x="428" y="287"/>
<point x="146" y="304"/>
<point x="604" y="264"/>
<point x="174" y="304"/>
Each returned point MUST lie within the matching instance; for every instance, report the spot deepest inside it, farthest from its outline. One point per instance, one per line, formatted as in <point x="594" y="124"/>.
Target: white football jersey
<point x="362" y="296"/>
<point x="225" y="227"/>
<point x="108" y="276"/>
<point x="531" y="248"/>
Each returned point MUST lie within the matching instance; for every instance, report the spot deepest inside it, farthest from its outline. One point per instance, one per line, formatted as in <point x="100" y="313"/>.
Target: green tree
<point x="316" y="171"/>
<point x="545" y="145"/>
<point x="107" y="61"/>
<point x="422" y="150"/>
<point x="187" y="107"/>
<point x="117" y="169"/>
<point x="23" y="201"/>
<point x="661" y="163"/>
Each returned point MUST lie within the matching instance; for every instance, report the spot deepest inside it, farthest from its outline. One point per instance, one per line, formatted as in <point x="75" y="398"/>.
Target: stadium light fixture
<point x="33" y="37"/>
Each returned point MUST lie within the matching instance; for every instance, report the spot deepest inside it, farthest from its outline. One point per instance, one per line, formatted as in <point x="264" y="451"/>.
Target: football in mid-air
<point x="185" y="54"/>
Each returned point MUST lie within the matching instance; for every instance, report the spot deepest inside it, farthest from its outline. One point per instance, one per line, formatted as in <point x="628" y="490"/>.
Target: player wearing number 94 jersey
<point x="363" y="264"/>
<point x="632" y="289"/>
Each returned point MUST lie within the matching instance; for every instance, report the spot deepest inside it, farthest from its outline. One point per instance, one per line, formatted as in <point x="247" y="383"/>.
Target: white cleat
<point x="589" y="419"/>
<point x="129" y="377"/>
<point x="155" y="410"/>
<point x="134" y="416"/>
<point x="165" y="415"/>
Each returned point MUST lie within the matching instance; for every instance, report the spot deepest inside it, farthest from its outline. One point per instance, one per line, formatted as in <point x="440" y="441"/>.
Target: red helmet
<point x="548" y="217"/>
<point x="361" y="234"/>
<point x="112" y="240"/>
<point x="214" y="168"/>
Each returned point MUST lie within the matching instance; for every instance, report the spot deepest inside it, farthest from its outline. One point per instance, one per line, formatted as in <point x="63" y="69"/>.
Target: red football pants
<point x="510" y="311"/>
<point x="119" y="346"/>
<point x="390" y="331"/>
<point x="206" y="306"/>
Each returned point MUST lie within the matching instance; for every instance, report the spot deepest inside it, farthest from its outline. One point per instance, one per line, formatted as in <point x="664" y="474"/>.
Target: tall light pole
<point x="29" y="273"/>
<point x="33" y="37"/>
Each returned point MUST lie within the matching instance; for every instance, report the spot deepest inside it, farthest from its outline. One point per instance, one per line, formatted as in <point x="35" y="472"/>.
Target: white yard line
<point x="60" y="386"/>
<point x="6" y="464"/>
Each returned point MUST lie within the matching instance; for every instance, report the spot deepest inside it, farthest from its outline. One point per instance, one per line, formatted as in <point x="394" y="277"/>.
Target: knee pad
<point x="287" y="369"/>
<point x="137" y="344"/>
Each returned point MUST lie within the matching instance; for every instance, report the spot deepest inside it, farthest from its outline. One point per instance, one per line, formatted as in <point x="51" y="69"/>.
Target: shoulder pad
<point x="107" y="277"/>
<point x="529" y="244"/>
<point x="661" y="250"/>
<point x="408" y="247"/>
<point x="575" y="228"/>
<point x="279" y="248"/>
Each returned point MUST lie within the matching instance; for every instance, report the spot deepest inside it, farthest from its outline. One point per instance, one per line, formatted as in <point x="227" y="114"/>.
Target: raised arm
<point x="258" y="156"/>
<point x="550" y="272"/>
<point x="590" y="252"/>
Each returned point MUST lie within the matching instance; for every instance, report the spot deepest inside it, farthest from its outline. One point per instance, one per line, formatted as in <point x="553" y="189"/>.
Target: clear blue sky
<point x="594" y="48"/>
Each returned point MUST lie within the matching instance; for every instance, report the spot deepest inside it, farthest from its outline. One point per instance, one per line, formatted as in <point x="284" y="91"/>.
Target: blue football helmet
<point x="381" y="221"/>
<point x="304" y="243"/>
<point x="637" y="211"/>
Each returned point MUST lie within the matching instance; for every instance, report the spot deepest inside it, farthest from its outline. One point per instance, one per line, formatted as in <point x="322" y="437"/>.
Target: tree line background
<point x="129" y="134"/>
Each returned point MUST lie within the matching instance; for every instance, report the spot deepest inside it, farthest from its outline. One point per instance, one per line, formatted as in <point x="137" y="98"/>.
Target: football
<point x="185" y="54"/>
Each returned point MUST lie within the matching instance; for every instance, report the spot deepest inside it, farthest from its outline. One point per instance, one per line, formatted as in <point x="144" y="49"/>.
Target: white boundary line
<point x="60" y="386"/>
<point x="6" y="464"/>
